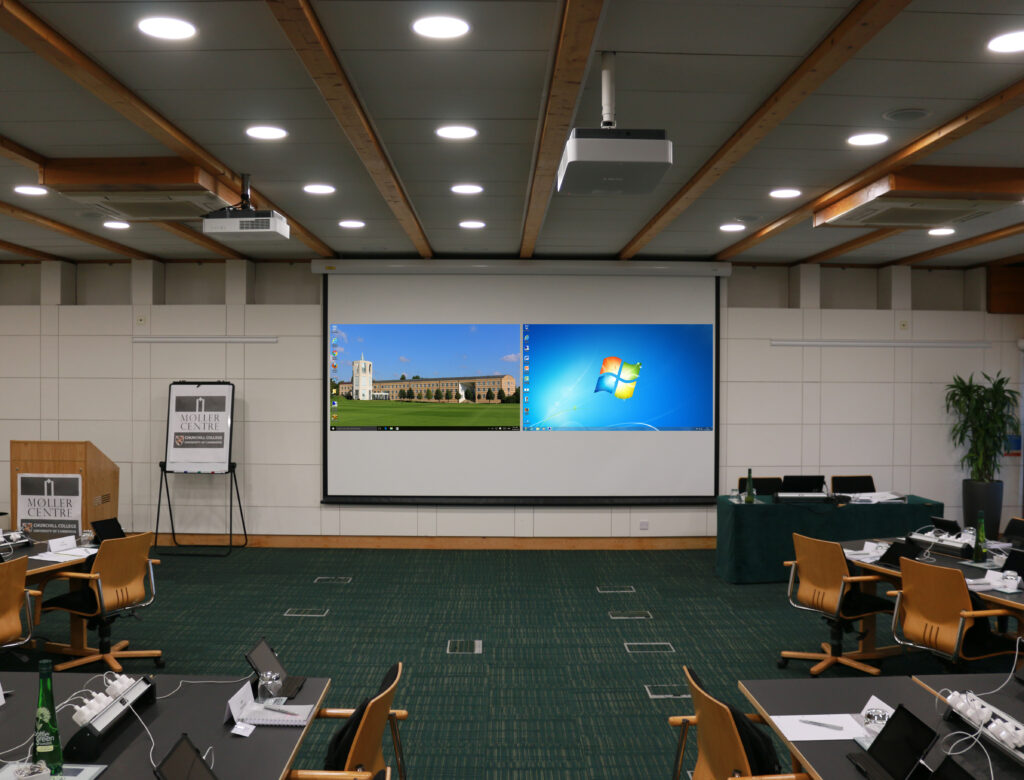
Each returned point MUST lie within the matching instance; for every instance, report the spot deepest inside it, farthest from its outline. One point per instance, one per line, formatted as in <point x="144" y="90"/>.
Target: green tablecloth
<point x="754" y="539"/>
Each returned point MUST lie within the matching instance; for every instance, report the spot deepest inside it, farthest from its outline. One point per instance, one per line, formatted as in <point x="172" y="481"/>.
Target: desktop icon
<point x="334" y="403"/>
<point x="334" y="342"/>
<point x="334" y="366"/>
<point x="618" y="377"/>
<point x="334" y="328"/>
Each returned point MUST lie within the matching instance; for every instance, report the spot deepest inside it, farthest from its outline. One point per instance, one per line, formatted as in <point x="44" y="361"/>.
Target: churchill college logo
<point x="617" y="377"/>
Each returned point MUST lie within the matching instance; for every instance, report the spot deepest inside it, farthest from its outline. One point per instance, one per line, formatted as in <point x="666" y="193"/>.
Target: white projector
<point x="247" y="223"/>
<point x="613" y="162"/>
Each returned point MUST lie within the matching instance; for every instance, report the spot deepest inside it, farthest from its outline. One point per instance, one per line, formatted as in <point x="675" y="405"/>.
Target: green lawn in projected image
<point x="412" y="414"/>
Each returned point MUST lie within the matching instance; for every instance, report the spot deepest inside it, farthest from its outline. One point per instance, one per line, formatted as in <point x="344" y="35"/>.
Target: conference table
<point x="755" y="539"/>
<point x="196" y="709"/>
<point x="826" y="759"/>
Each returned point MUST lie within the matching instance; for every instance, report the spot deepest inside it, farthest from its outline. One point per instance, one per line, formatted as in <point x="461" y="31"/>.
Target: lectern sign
<point x="50" y="503"/>
<point x="199" y="427"/>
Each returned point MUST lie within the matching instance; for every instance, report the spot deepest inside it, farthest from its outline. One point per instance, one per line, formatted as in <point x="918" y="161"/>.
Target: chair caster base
<point x="782" y="663"/>
<point x="159" y="663"/>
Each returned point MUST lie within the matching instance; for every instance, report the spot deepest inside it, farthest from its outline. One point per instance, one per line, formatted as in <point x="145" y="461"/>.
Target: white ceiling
<point x="697" y="68"/>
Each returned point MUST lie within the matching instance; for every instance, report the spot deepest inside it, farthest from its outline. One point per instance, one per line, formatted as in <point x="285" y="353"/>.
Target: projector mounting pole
<point x="245" y="204"/>
<point x="607" y="90"/>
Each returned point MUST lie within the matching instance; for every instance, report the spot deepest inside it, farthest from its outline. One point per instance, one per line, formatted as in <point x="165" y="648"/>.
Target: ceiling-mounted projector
<point x="246" y="223"/>
<point x="613" y="162"/>
<point x="243" y="221"/>
<point x="608" y="161"/>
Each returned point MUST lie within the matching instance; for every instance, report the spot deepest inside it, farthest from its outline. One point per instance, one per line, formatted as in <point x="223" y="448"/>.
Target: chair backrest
<point x="367" y="745"/>
<point x="765" y="486"/>
<point x="860" y="483"/>
<point x="1014" y="530"/>
<point x="820" y="565"/>
<point x="720" y="751"/>
<point x="122" y="566"/>
<point x="12" y="597"/>
<point x="933" y="597"/>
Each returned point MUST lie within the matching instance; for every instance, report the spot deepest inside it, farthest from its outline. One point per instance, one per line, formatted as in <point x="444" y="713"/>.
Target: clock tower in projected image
<point x="362" y="379"/>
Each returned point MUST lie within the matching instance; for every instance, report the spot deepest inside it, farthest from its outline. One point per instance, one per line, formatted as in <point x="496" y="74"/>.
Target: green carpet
<point x="554" y="693"/>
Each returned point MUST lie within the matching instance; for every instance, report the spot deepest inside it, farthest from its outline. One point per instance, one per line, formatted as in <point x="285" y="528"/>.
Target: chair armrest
<point x="790" y="776"/>
<point x="155" y="561"/>
<point x="983" y="613"/>
<point x="335" y="712"/>
<point x="893" y="592"/>
<point x="76" y="575"/>
<point x="38" y="594"/>
<point x="326" y="774"/>
<point x="862" y="578"/>
<point x="677" y="721"/>
<point x="789" y="563"/>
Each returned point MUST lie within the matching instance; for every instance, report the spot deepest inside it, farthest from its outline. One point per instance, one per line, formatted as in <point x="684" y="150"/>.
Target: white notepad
<point x="244" y="709"/>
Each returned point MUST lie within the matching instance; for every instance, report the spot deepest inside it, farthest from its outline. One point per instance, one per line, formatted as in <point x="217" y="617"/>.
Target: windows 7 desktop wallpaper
<point x="618" y="377"/>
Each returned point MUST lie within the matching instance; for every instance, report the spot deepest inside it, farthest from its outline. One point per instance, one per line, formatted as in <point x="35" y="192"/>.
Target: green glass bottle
<point x="979" y="538"/>
<point x="749" y="497"/>
<point x="46" y="743"/>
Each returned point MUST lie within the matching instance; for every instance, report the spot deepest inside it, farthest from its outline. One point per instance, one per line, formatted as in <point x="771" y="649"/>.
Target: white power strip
<point x="105" y="708"/>
<point x="1002" y="730"/>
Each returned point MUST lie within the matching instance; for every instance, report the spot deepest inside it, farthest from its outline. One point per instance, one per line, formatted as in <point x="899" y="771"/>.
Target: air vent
<point x="136" y="206"/>
<point x="254" y="224"/>
<point x="927" y="196"/>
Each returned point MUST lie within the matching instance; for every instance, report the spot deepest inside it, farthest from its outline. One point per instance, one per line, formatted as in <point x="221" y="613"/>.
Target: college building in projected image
<point x="478" y="389"/>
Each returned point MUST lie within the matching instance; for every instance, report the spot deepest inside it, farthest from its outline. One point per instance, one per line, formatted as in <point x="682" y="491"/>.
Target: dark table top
<point x="197" y="709"/>
<point x="826" y="760"/>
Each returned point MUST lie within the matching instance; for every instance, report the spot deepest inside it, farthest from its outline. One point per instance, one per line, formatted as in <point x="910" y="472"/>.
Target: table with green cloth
<point x="754" y="539"/>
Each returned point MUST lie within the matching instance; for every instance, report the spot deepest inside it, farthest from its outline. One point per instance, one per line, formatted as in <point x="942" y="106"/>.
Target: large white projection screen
<point x="518" y="466"/>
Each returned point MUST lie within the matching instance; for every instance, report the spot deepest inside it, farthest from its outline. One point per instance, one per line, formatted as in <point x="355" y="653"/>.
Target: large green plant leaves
<point x="984" y="414"/>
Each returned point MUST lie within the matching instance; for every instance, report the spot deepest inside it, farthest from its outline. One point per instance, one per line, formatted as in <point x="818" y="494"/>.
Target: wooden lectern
<point x="99" y="474"/>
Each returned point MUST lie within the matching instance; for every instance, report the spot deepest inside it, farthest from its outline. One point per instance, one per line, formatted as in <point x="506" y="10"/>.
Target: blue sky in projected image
<point x="427" y="350"/>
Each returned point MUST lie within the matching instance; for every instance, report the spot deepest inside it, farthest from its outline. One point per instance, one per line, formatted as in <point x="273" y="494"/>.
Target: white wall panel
<point x="572" y="521"/>
<point x="19" y="398"/>
<point x="763" y="445"/>
<point x="755" y="360"/>
<point x="19" y="356"/>
<point x="95" y="356"/>
<point x="856" y="402"/>
<point x="95" y="399"/>
<point x="852" y="445"/>
<point x="856" y="364"/>
<point x="931" y="445"/>
<point x="758" y="402"/>
<point x="289" y="400"/>
<point x="280" y="485"/>
<point x="765" y="323"/>
<point x="476" y="521"/>
<point x="278" y="442"/>
<point x="940" y="364"/>
<point x="669" y="521"/>
<point x="302" y="520"/>
<point x="295" y="357"/>
<point x="188" y="361"/>
<point x="856" y="324"/>
<point x="20" y="320"/>
<point x="379" y="521"/>
<point x="188" y="321"/>
<point x="282" y="320"/>
<point x="113" y="437"/>
<point x="94" y="320"/>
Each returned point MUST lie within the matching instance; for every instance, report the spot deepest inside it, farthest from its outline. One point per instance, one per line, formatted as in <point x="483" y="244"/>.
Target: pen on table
<point x="823" y="725"/>
<point x="272" y="708"/>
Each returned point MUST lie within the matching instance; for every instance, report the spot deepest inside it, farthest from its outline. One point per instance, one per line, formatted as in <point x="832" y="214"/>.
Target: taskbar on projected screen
<point x="606" y="428"/>
<point x="422" y="428"/>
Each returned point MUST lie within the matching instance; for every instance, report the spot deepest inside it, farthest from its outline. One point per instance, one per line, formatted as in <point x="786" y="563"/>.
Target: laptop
<point x="262" y="658"/>
<point x="107" y="529"/>
<point x="1014" y="532"/>
<point x="951" y="527"/>
<point x="900" y="548"/>
<point x="183" y="762"/>
<point x="803" y="483"/>
<point x="951" y="770"/>
<point x="897" y="750"/>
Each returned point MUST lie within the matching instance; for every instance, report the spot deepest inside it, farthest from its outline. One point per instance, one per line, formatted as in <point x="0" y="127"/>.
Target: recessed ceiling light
<point x="167" y="28"/>
<point x="472" y="224"/>
<point x="785" y="192"/>
<point x="732" y="227"/>
<point x="30" y="189"/>
<point x="116" y="224"/>
<point x="456" y="131"/>
<point x="440" y="27"/>
<point x="906" y="114"/>
<point x="943" y="231"/>
<point x="319" y="189"/>
<point x="1007" y="43"/>
<point x="351" y="224"/>
<point x="265" y="132"/>
<point x="467" y="189"/>
<point x="867" y="139"/>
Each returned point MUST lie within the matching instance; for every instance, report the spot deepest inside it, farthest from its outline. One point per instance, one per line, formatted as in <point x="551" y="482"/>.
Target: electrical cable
<point x="152" y="742"/>
<point x="205" y="682"/>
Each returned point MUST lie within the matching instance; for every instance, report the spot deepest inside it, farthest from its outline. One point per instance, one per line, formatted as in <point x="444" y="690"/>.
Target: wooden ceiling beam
<point x="960" y="246"/>
<point x="985" y="112"/>
<point x="12" y="150"/>
<point x="31" y="31"/>
<point x="34" y="254"/>
<point x="858" y="27"/>
<point x="575" y="41"/>
<point x="1002" y="261"/>
<point x="182" y="230"/>
<point x="303" y="29"/>
<point x="849" y="246"/>
<point x="10" y="210"/>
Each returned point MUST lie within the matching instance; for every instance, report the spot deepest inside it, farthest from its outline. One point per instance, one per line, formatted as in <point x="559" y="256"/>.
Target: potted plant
<point x="984" y="415"/>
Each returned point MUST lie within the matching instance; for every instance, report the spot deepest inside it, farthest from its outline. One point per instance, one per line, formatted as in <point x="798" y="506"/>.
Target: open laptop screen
<point x="901" y="743"/>
<point x="183" y="762"/>
<point x="262" y="658"/>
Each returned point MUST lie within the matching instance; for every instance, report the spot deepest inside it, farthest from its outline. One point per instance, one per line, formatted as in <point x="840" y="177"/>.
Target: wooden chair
<point x="13" y="596"/>
<point x="116" y="586"/>
<point x="860" y="483"/>
<point x="366" y="756"/>
<point x="720" y="752"/>
<point x="826" y="587"/>
<point x="934" y="613"/>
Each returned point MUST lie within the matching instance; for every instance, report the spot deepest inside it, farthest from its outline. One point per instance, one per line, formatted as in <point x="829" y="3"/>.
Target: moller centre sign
<point x="50" y="503"/>
<point x="199" y="427"/>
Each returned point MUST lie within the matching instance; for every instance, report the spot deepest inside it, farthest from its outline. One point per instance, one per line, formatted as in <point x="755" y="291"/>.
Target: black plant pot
<point x="987" y="497"/>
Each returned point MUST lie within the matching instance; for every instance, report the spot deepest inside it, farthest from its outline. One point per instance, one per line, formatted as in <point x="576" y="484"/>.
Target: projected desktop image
<point x="618" y="377"/>
<point x="402" y="377"/>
